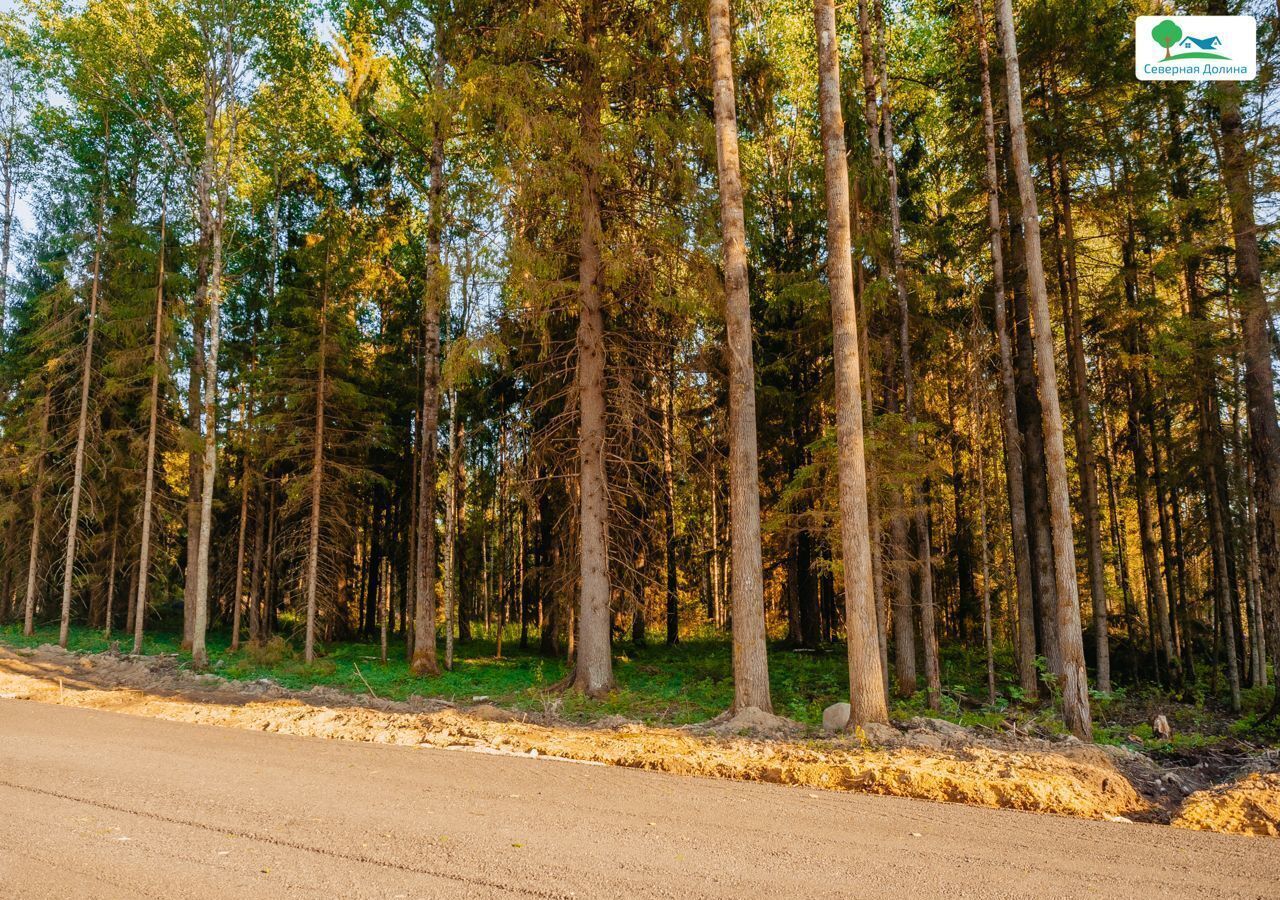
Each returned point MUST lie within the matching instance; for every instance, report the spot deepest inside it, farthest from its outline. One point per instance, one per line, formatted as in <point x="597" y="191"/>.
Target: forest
<point x="885" y="332"/>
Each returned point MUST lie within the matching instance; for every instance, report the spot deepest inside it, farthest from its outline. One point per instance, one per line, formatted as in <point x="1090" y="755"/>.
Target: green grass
<point x="689" y="682"/>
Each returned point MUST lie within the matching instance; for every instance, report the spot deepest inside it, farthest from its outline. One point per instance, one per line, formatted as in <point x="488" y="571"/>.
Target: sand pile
<point x="1250" y="805"/>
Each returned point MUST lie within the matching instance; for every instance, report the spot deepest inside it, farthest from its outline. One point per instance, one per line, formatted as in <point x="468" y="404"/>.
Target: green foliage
<point x="1166" y="33"/>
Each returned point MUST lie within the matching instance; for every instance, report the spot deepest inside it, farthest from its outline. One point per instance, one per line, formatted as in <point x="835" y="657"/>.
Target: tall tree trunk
<point x="384" y="606"/>
<point x="1013" y="454"/>
<point x="37" y="513"/>
<point x="215" y="186"/>
<point x="1086" y="458"/>
<point x="967" y="608"/>
<point x="1156" y="592"/>
<point x="928" y="632"/>
<point x="668" y="505"/>
<point x="153" y="421"/>
<point x="500" y="539"/>
<point x="1208" y="412"/>
<point x="8" y="197"/>
<point x="1162" y="516"/>
<point x="1259" y="381"/>
<point x="317" y="467"/>
<point x="1183" y="611"/>
<point x="209" y="462"/>
<point x="593" y="669"/>
<point x="456" y="438"/>
<point x="869" y="113"/>
<point x="1222" y="586"/>
<point x="1031" y="420"/>
<point x="904" y="638"/>
<point x="255" y="575"/>
<point x="866" y="681"/>
<point x="111" y="578"/>
<point x="129" y="608"/>
<point x="195" y="412"/>
<point x="899" y="563"/>
<point x="237" y="598"/>
<point x="269" y="569"/>
<point x="873" y="498"/>
<point x="975" y="439"/>
<point x="1075" y="688"/>
<point x="424" y="660"/>
<point x="717" y="607"/>
<point x="1119" y="532"/>
<point x="750" y="656"/>
<point x="86" y="380"/>
<point x="1253" y="581"/>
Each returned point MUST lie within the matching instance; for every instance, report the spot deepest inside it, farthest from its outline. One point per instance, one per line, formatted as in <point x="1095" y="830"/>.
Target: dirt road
<point x="97" y="804"/>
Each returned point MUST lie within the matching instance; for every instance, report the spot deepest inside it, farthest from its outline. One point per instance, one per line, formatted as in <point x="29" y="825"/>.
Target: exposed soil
<point x="930" y="759"/>
<point x="1249" y="806"/>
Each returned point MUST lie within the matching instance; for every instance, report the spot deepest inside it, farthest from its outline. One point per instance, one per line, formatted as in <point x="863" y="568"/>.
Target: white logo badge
<point x="1195" y="48"/>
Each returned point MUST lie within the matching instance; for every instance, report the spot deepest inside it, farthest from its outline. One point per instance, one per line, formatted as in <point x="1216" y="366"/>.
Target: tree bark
<point x="1253" y="576"/>
<point x="928" y="631"/>
<point x="129" y="593"/>
<point x="1020" y="548"/>
<point x="424" y="660"/>
<point x="37" y="512"/>
<point x="214" y="186"/>
<point x="86" y="380"/>
<point x="1086" y="458"/>
<point x="8" y="197"/>
<point x="1031" y="421"/>
<point x="869" y="113"/>
<point x="269" y="569"/>
<point x="1162" y="517"/>
<point x="317" y="468"/>
<point x="209" y="457"/>
<point x="1075" y="689"/>
<point x="593" y="669"/>
<point x="904" y="636"/>
<point x="195" y="412"/>
<point x="456" y="438"/>
<point x="875" y="529"/>
<point x="975" y="439"/>
<point x="153" y="421"/>
<point x="668" y="506"/>
<point x="750" y="656"/>
<point x="237" y="598"/>
<point x="1119" y="532"/>
<point x="866" y="681"/>
<point x="209" y="464"/>
<point x="1259" y="383"/>
<point x="255" y="576"/>
<point x="1156" y="592"/>
<point x="111" y="578"/>
<point x="1222" y="585"/>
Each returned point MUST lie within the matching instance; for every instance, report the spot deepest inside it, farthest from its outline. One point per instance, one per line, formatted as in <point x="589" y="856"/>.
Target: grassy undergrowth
<point x="688" y="682"/>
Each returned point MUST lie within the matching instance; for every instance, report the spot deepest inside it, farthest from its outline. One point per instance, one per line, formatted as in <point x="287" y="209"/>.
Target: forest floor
<point x="1220" y="783"/>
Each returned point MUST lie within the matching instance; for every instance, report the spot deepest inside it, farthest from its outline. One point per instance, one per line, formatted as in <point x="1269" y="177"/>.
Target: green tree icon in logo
<point x="1167" y="33"/>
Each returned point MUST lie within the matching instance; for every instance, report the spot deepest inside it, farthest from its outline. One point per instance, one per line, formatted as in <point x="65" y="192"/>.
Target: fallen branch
<point x="366" y="683"/>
